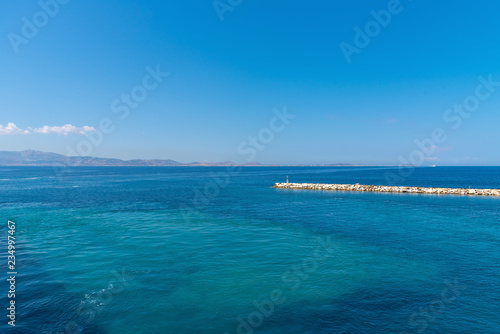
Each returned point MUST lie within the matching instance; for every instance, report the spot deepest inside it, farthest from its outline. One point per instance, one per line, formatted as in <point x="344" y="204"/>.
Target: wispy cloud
<point x="12" y="129"/>
<point x="63" y="130"/>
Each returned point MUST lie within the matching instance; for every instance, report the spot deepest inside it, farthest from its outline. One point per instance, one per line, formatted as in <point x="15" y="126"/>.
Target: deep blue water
<point x="215" y="250"/>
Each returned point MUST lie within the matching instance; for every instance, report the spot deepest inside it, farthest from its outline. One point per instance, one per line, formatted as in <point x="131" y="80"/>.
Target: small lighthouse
<point x="287" y="179"/>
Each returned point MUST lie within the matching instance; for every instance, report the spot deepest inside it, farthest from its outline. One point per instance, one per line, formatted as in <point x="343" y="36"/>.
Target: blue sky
<point x="227" y="76"/>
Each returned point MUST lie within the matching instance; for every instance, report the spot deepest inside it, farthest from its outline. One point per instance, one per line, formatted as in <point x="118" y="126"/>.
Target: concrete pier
<point x="389" y="189"/>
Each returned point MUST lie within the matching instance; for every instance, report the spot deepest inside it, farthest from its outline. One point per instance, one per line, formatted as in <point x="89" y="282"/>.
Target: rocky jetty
<point x="389" y="189"/>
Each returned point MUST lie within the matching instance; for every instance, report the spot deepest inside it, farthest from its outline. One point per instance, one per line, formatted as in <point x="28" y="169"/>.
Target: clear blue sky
<point x="227" y="76"/>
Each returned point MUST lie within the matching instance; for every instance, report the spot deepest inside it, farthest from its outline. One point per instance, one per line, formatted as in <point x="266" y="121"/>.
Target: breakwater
<point x="390" y="189"/>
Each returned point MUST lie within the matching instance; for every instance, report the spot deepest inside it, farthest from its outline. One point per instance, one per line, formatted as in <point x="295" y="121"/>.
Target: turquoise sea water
<point x="217" y="250"/>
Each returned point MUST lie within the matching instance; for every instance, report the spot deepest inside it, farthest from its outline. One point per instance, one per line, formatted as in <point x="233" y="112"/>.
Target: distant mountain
<point x="38" y="158"/>
<point x="330" y="165"/>
<point x="340" y="165"/>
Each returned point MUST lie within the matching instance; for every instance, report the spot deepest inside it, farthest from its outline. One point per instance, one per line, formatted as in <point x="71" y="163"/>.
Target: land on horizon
<point x="39" y="158"/>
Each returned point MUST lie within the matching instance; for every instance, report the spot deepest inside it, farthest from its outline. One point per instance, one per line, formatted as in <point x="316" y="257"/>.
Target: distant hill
<point x="330" y="165"/>
<point x="38" y="158"/>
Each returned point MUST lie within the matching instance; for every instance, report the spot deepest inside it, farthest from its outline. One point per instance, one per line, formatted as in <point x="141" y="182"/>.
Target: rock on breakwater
<point x="389" y="189"/>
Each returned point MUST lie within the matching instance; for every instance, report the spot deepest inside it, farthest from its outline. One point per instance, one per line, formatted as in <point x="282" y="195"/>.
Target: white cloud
<point x="63" y="130"/>
<point x="12" y="129"/>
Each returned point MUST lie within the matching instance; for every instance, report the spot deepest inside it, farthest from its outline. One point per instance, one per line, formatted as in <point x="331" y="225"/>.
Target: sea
<point x="219" y="250"/>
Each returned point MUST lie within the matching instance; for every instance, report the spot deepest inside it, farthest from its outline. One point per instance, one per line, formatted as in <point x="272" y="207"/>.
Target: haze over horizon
<point x="369" y="82"/>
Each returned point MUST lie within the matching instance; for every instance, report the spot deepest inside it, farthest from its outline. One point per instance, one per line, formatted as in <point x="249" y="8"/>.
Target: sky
<point x="275" y="82"/>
